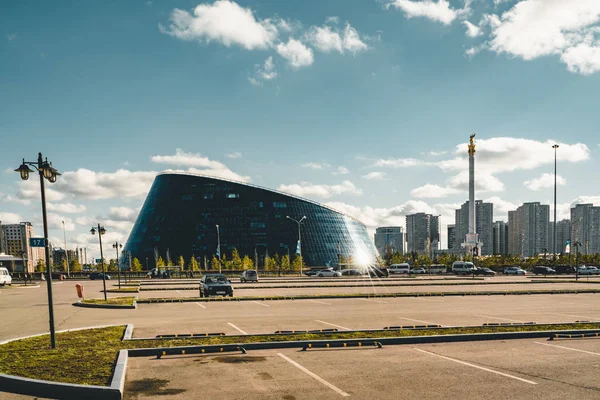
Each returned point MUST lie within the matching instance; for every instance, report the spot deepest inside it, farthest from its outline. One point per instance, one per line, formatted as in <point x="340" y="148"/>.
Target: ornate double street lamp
<point x="101" y="231"/>
<point x="299" y="247"/>
<point x="117" y="245"/>
<point x="46" y="171"/>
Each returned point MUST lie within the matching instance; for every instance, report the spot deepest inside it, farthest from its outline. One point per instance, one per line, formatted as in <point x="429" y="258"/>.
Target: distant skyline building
<point x="389" y="238"/>
<point x="484" y="213"/>
<point x="451" y="229"/>
<point x="15" y="239"/>
<point x="528" y="229"/>
<point x="563" y="235"/>
<point x="422" y="233"/>
<point x="500" y="234"/>
<point x="585" y="228"/>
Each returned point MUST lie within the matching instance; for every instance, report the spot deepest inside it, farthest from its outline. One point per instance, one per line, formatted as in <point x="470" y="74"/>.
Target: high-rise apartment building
<point x="528" y="229"/>
<point x="16" y="243"/>
<point x="451" y="236"/>
<point x="585" y="228"/>
<point x="422" y="233"/>
<point x="389" y="239"/>
<point x="563" y="235"/>
<point x="500" y="234"/>
<point x="484" y="216"/>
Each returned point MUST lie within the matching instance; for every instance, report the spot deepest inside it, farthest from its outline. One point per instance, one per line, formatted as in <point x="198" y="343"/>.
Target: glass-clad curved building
<point x="182" y="210"/>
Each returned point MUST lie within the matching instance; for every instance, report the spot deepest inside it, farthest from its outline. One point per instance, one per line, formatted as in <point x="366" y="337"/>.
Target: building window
<point x="279" y="204"/>
<point x="208" y="196"/>
<point x="187" y="197"/>
<point x="233" y="195"/>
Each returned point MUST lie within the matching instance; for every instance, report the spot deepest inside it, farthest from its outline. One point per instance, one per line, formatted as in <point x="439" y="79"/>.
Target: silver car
<point x="249" y="275"/>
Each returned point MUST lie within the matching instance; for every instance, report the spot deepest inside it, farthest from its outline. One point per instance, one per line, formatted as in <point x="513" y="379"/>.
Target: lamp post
<point x="219" y="247"/>
<point x="101" y="231"/>
<point x="116" y="246"/>
<point x="555" y="147"/>
<point x="299" y="247"/>
<point x="45" y="170"/>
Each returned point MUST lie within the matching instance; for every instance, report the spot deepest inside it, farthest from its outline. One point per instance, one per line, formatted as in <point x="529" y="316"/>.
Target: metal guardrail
<point x="188" y="335"/>
<point x="574" y="335"/>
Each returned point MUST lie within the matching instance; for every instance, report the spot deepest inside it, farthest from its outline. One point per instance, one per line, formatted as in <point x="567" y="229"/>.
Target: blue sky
<point x="361" y="104"/>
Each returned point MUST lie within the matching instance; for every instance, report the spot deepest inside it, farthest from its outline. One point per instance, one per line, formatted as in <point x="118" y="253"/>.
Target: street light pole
<point x="45" y="170"/>
<point x="219" y="248"/>
<point x="101" y="231"/>
<point x="555" y="147"/>
<point x="299" y="247"/>
<point x="66" y="252"/>
<point x="116" y="246"/>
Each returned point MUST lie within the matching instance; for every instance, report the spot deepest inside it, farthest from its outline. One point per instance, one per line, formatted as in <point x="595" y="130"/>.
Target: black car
<point x="541" y="270"/>
<point x="565" y="269"/>
<point x="378" y="272"/>
<point x="484" y="272"/>
<point x="215" y="285"/>
<point x="98" y="275"/>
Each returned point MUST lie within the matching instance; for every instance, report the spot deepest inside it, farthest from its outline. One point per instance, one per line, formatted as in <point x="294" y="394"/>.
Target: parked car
<point x="564" y="269"/>
<point x="514" y="271"/>
<point x="484" y="272"/>
<point x="313" y="271"/>
<point x="437" y="269"/>
<point x="328" y="273"/>
<point x="353" y="272"/>
<point x="462" y="267"/>
<point x="215" y="285"/>
<point x="249" y="276"/>
<point x="583" y="270"/>
<point x="378" y="272"/>
<point x="418" y="271"/>
<point x="98" y="275"/>
<point x="5" y="278"/>
<point x="403" y="268"/>
<point x="541" y="270"/>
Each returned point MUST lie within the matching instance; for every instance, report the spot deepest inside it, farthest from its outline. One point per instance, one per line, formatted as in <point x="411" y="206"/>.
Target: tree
<point x="236" y="261"/>
<point x="136" y="265"/>
<point x="75" y="266"/>
<point x="112" y="266"/>
<point x="285" y="262"/>
<point x="181" y="263"/>
<point x="193" y="264"/>
<point x="247" y="263"/>
<point x="160" y="262"/>
<point x="296" y="263"/>
<point x="40" y="266"/>
<point x="214" y="264"/>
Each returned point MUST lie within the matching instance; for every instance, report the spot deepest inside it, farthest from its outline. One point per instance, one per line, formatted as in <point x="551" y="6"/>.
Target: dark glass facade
<point x="180" y="215"/>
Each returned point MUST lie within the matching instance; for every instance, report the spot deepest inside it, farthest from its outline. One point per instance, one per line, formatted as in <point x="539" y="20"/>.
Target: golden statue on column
<point x="472" y="145"/>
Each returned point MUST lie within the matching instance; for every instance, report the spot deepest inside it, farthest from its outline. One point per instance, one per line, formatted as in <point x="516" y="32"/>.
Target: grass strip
<point x="88" y="356"/>
<point x="116" y="301"/>
<point x="124" y="290"/>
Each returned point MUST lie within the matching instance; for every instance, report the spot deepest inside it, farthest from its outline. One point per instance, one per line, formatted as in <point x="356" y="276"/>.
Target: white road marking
<point x="502" y="319"/>
<point x="315" y="376"/>
<point x="178" y="291"/>
<point x="261" y="304"/>
<point x="477" y="366"/>
<point x="337" y="326"/>
<point x="201" y="305"/>
<point x="236" y="328"/>
<point x="418" y="320"/>
<point x="320" y="302"/>
<point x="574" y="316"/>
<point x="568" y="348"/>
<point x="374" y="301"/>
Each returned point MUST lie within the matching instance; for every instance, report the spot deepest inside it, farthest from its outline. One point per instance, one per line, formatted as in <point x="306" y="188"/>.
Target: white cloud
<point x="472" y="51"/>
<point x="196" y="161"/>
<point x="399" y="162"/>
<point x="123" y="214"/>
<point x="352" y="41"/>
<point x="437" y="153"/>
<point x="296" y="53"/>
<point x="235" y="154"/>
<point x="325" y="39"/>
<point x="433" y="191"/>
<point x="341" y="171"/>
<point x="536" y="28"/>
<point x="10" y="218"/>
<point x="307" y="189"/>
<point x="68" y="208"/>
<point x="501" y="207"/>
<point x="586" y="200"/>
<point x="55" y="221"/>
<point x="8" y="198"/>
<point x="544" y="181"/>
<point x="484" y="181"/>
<point x="472" y="30"/>
<point x="86" y="184"/>
<point x="439" y="10"/>
<point x="332" y="20"/>
<point x="265" y="72"/>
<point x="316" y="165"/>
<point x="374" y="176"/>
<point x="11" y="36"/>
<point x="30" y="190"/>
<point x="223" y="21"/>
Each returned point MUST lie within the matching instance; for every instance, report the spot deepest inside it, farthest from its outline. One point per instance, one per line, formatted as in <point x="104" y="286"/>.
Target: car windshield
<point x="216" y="279"/>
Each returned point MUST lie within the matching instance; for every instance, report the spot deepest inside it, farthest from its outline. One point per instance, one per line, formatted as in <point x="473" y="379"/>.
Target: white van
<point x="462" y="267"/>
<point x="403" y="268"/>
<point x="5" y="278"/>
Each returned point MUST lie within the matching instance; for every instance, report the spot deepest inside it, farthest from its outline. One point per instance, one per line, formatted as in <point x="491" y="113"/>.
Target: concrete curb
<point x="165" y="351"/>
<point x="128" y="332"/>
<point x="110" y="306"/>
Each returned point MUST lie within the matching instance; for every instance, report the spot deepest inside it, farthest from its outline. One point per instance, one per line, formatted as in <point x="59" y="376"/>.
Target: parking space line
<point x="201" y="305"/>
<point x="315" y="376"/>
<point x="337" y="326"/>
<point x="502" y="319"/>
<point x="261" y="304"/>
<point x="574" y="316"/>
<point x="236" y="328"/>
<point x="568" y="348"/>
<point x="320" y="302"/>
<point x="373" y="300"/>
<point x="477" y="366"/>
<point x="418" y="320"/>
